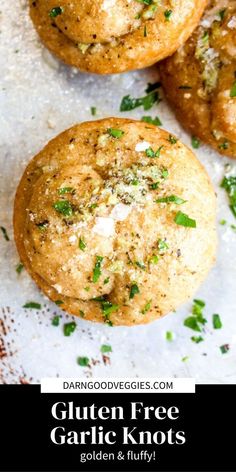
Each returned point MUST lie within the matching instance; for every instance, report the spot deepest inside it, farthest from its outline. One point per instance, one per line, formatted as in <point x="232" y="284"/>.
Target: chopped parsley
<point x="152" y="86"/>
<point x="197" y="339"/>
<point x="83" y="361"/>
<point x="171" y="199"/>
<point x="69" y="328"/>
<point x="115" y="133"/>
<point x="152" y="121"/>
<point x="134" y="290"/>
<point x="221" y="13"/>
<point x="145" y="2"/>
<point x="108" y="308"/>
<point x="64" y="207"/>
<point x="4" y="232"/>
<point x="198" y="304"/>
<point x="42" y="226"/>
<point x="192" y="323"/>
<point x="164" y="173"/>
<point x="196" y="320"/>
<point x="152" y="96"/>
<point x="19" y="268"/>
<point x="82" y="244"/>
<point x="154" y="186"/>
<point x="216" y="321"/>
<point x="185" y="359"/>
<point x="93" y="111"/>
<point x="172" y="139"/>
<point x="223" y="222"/>
<point x="146" y="308"/>
<point x="162" y="246"/>
<point x="106" y="281"/>
<point x="195" y="142"/>
<point x="81" y="314"/>
<point x="154" y="259"/>
<point x="167" y="14"/>
<point x="59" y="302"/>
<point x="182" y="219"/>
<point x="233" y="90"/>
<point x="224" y="145"/>
<point x="141" y="265"/>
<point x="56" y="320"/>
<point x="224" y="348"/>
<point x="169" y="336"/>
<point x="32" y="306"/>
<point x="105" y="348"/>
<point x="229" y="184"/>
<point x="151" y="153"/>
<point x="63" y="190"/>
<point x="97" y="269"/>
<point x="56" y="11"/>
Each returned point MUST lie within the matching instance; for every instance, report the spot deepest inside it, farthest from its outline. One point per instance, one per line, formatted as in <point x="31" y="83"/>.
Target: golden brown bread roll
<point x="109" y="36"/>
<point x="200" y="79"/>
<point x="116" y="220"/>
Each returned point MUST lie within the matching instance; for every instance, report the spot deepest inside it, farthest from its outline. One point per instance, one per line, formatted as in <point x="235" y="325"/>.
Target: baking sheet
<point x="39" y="97"/>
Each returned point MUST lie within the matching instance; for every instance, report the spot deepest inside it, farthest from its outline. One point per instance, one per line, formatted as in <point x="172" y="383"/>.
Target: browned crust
<point x="134" y="50"/>
<point x="190" y="166"/>
<point x="201" y="115"/>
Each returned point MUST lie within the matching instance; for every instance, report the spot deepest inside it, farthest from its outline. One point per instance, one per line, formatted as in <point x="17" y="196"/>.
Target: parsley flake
<point x="19" y="268"/>
<point x="69" y="328"/>
<point x="169" y="336"/>
<point x="64" y="207"/>
<point x="195" y="142"/>
<point x="172" y="139"/>
<point x="82" y="244"/>
<point x="146" y="308"/>
<point x="128" y="103"/>
<point x="115" y="133"/>
<point x="182" y="219"/>
<point x="233" y="90"/>
<point x="152" y="121"/>
<point x="83" y="361"/>
<point x="56" y="320"/>
<point x="224" y="348"/>
<point x="151" y="153"/>
<point x="229" y="184"/>
<point x="171" y="199"/>
<point x="197" y="339"/>
<point x="105" y="348"/>
<point x="167" y="14"/>
<point x="32" y="306"/>
<point x="56" y="11"/>
<point x="216" y="321"/>
<point x="63" y="190"/>
<point x="4" y="232"/>
<point x="97" y="269"/>
<point x="134" y="290"/>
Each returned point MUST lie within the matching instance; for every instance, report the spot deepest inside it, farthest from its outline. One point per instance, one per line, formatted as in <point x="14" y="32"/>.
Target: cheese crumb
<point x="142" y="146"/>
<point x="104" y="227"/>
<point x="72" y="239"/>
<point x="120" y="212"/>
